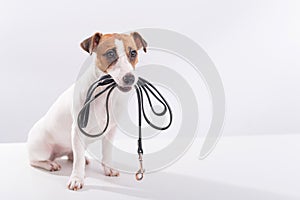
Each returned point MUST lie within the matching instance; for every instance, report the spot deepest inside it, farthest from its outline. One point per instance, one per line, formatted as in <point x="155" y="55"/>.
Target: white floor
<point x="254" y="167"/>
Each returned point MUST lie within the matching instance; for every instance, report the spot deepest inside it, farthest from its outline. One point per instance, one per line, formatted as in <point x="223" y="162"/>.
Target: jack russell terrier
<point x="56" y="134"/>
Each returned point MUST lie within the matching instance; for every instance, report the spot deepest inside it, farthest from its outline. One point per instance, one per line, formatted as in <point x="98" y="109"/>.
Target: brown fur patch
<point x="107" y="42"/>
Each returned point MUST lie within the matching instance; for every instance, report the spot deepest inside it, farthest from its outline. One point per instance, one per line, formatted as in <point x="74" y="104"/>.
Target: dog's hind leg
<point x="41" y="156"/>
<point x="47" y="165"/>
<point x="40" y="153"/>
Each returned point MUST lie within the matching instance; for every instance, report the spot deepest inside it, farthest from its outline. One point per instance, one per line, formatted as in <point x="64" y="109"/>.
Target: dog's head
<point x="116" y="55"/>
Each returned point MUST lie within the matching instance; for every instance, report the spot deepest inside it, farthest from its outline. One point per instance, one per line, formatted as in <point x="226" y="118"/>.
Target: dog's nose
<point x="128" y="79"/>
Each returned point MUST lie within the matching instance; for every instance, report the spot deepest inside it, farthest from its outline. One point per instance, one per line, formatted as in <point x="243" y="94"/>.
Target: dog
<point x="56" y="134"/>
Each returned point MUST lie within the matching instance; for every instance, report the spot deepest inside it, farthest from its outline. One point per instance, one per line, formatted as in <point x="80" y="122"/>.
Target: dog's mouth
<point x="124" y="88"/>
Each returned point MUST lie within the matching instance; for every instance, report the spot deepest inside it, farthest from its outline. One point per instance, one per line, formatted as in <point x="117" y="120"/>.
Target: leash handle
<point x="83" y="115"/>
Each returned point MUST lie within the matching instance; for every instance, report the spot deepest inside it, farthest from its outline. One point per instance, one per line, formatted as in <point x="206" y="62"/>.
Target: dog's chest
<point x="98" y="114"/>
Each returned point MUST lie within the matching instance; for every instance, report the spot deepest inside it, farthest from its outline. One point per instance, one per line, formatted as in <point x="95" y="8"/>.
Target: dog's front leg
<point x="77" y="177"/>
<point x="107" y="147"/>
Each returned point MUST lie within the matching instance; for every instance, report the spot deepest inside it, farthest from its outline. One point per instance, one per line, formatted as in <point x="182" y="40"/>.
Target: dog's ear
<point x="91" y="43"/>
<point x="139" y="41"/>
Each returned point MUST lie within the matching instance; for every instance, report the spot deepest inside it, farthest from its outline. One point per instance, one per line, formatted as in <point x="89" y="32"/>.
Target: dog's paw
<point x="47" y="165"/>
<point x="75" y="183"/>
<point x="54" y="166"/>
<point x="109" y="171"/>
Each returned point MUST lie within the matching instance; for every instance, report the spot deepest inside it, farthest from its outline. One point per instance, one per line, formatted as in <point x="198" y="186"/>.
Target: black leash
<point x="142" y="86"/>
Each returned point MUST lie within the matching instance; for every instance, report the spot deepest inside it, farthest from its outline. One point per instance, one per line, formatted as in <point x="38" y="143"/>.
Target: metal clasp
<point x="140" y="173"/>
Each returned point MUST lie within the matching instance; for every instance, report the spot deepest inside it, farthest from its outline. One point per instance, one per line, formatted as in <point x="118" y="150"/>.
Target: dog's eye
<point x="110" y="54"/>
<point x="133" y="53"/>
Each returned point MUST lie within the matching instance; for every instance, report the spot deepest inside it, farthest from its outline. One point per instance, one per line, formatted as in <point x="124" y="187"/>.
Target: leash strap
<point x="142" y="86"/>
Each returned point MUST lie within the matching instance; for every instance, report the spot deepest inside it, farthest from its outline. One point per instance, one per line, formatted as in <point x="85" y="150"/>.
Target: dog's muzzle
<point x="128" y="80"/>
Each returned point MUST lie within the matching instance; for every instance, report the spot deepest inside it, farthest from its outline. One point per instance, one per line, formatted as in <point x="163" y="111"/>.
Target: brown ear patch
<point x="91" y="43"/>
<point x="139" y="41"/>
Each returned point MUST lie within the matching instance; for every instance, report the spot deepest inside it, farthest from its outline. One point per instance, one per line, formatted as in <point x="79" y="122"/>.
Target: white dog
<point x="57" y="134"/>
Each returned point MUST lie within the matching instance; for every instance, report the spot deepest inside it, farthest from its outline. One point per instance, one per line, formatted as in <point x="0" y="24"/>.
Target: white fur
<point x="56" y="134"/>
<point x="123" y="66"/>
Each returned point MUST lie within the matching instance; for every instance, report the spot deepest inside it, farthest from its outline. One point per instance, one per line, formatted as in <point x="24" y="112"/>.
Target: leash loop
<point x="142" y="86"/>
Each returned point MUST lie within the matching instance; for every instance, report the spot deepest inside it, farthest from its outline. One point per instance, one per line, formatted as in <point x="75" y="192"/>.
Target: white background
<point x="254" y="44"/>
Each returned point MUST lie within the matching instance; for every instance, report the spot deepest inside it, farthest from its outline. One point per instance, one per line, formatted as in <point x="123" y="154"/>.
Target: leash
<point x="142" y="86"/>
